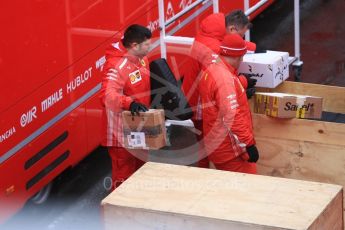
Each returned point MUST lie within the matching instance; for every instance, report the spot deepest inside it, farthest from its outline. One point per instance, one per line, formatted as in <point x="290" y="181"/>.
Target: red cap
<point x="233" y="45"/>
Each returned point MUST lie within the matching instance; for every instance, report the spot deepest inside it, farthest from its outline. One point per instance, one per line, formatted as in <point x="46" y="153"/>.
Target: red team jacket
<point x="227" y="121"/>
<point x="126" y="79"/>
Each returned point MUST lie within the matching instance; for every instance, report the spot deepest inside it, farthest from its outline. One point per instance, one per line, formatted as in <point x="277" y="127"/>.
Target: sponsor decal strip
<point x="50" y="123"/>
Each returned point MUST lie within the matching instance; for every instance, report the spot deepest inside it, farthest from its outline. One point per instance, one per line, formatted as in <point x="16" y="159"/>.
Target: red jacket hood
<point x="213" y="26"/>
<point x="115" y="49"/>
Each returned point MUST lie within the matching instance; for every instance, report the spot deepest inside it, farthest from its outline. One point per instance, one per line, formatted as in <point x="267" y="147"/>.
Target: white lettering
<point x="185" y="3"/>
<point x="69" y="87"/>
<point x="100" y="63"/>
<point x="7" y="134"/>
<point x="153" y="25"/>
<point x="28" y="117"/>
<point x="51" y="100"/>
<point x="79" y="80"/>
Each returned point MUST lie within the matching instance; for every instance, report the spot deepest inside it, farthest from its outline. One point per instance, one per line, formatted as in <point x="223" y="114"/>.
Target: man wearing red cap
<point x="227" y="123"/>
<point x="205" y="50"/>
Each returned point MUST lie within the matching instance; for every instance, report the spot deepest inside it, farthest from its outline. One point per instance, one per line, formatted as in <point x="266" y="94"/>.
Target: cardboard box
<point x="146" y="131"/>
<point x="284" y="62"/>
<point x="173" y="197"/>
<point x="284" y="105"/>
<point x="270" y="68"/>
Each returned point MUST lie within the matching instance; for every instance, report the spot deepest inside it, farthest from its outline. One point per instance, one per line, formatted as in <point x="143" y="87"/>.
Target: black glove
<point x="136" y="107"/>
<point x="250" y="81"/>
<point x="250" y="92"/>
<point x="253" y="153"/>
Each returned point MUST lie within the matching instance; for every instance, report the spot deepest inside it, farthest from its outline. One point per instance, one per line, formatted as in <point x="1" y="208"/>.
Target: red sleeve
<point x="190" y="83"/>
<point x="243" y="133"/>
<point x="190" y="73"/>
<point x="229" y="107"/>
<point x="242" y="122"/>
<point x="243" y="81"/>
<point x="112" y="95"/>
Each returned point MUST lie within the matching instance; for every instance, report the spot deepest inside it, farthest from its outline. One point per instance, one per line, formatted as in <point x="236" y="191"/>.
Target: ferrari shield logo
<point x="142" y="62"/>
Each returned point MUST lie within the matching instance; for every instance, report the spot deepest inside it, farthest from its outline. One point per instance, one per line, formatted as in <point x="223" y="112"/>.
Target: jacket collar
<point x="134" y="59"/>
<point x="230" y="67"/>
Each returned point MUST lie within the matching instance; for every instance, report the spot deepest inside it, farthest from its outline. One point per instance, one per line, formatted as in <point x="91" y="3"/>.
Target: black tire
<point x="42" y="196"/>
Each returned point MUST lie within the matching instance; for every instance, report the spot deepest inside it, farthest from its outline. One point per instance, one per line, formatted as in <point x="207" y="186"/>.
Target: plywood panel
<point x="161" y="196"/>
<point x="301" y="160"/>
<point x="334" y="97"/>
<point x="304" y="161"/>
<point x="299" y="129"/>
<point x="137" y="219"/>
<point x="330" y="217"/>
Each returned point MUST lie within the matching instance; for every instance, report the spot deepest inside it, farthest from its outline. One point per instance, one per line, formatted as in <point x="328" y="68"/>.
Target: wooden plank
<point x="334" y="97"/>
<point x="299" y="129"/>
<point x="161" y="196"/>
<point x="301" y="160"/>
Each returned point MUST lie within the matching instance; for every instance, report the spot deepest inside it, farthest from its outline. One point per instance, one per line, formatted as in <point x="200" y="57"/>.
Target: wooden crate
<point x="303" y="149"/>
<point x="334" y="97"/>
<point x="169" y="197"/>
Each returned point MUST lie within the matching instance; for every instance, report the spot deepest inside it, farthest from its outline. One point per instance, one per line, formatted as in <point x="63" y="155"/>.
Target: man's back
<point x="219" y="107"/>
<point x="204" y="51"/>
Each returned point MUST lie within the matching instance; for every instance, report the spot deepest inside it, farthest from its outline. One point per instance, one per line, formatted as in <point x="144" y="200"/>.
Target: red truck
<point x="51" y="58"/>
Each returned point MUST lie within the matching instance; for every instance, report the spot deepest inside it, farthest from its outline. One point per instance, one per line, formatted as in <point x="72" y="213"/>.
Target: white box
<point x="270" y="68"/>
<point x="285" y="61"/>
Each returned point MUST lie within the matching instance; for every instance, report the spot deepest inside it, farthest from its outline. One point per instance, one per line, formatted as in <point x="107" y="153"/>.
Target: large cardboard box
<point x="172" y="197"/>
<point x="146" y="131"/>
<point x="284" y="105"/>
<point x="270" y="68"/>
